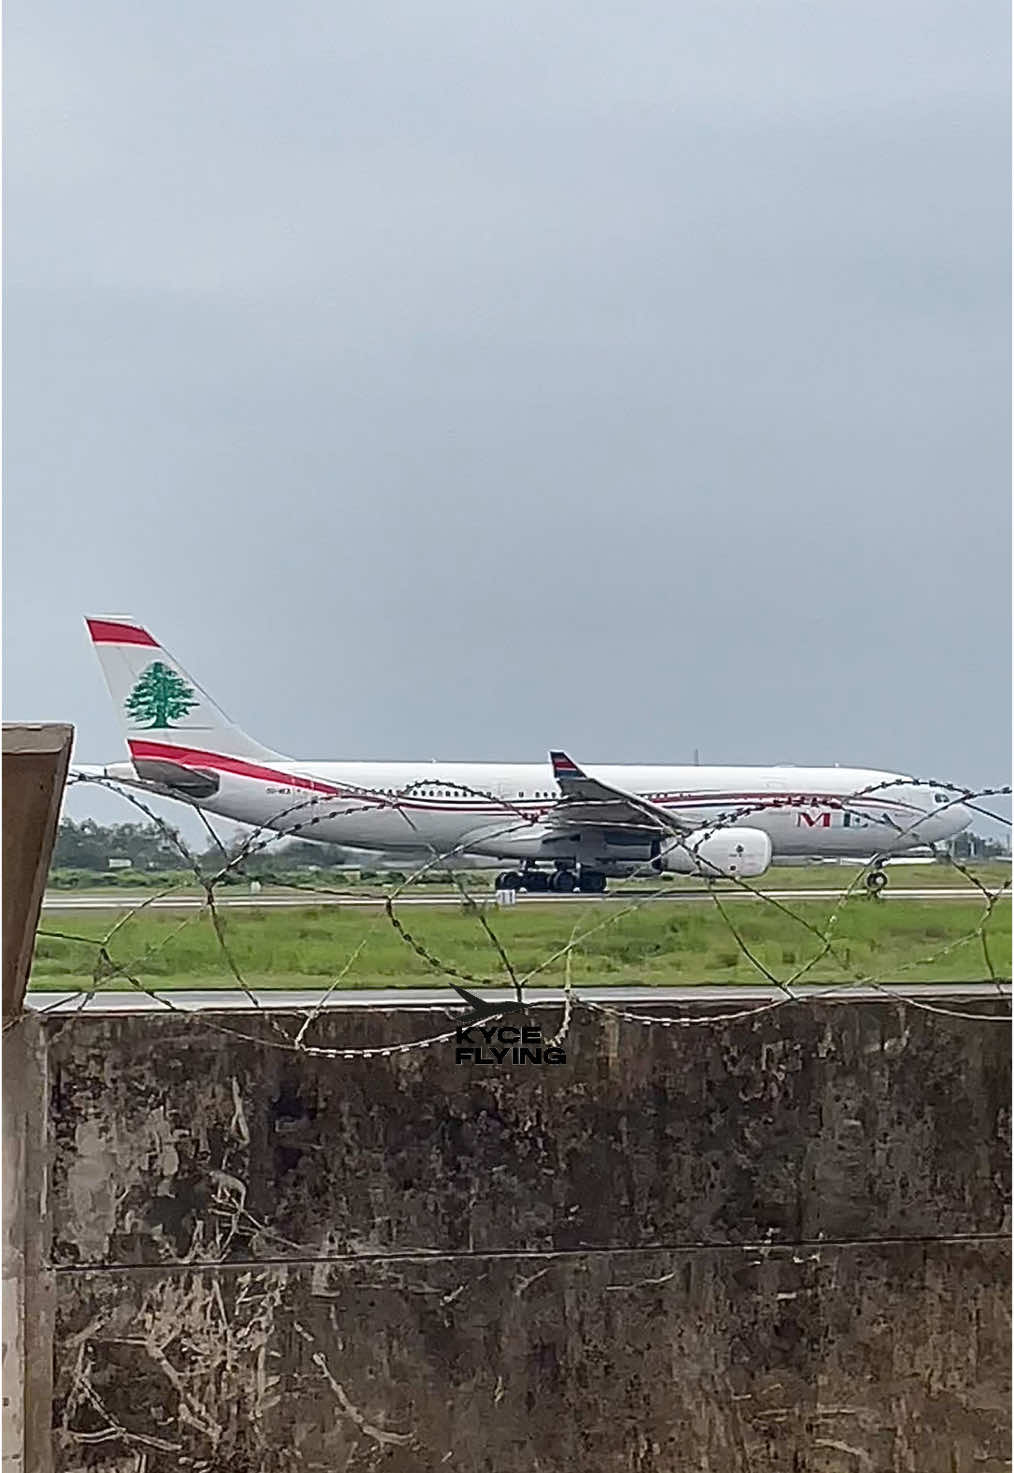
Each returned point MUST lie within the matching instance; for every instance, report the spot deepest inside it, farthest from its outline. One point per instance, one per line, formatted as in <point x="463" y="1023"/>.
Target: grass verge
<point x="898" y="940"/>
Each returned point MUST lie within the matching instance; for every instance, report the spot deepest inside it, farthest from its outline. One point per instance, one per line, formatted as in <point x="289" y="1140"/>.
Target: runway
<point x="70" y="901"/>
<point x="442" y="998"/>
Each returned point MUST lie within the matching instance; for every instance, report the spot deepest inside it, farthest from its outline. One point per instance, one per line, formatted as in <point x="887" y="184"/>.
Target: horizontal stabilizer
<point x="192" y="782"/>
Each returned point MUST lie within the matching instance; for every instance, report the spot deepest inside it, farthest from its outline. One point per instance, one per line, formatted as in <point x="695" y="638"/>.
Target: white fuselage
<point x="499" y="810"/>
<point x="603" y="820"/>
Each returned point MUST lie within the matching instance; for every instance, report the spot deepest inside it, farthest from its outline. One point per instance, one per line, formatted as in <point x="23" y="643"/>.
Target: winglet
<point x="564" y="766"/>
<point x="610" y="805"/>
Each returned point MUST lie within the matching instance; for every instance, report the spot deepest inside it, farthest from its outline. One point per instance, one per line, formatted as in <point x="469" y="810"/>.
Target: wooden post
<point x="36" y="759"/>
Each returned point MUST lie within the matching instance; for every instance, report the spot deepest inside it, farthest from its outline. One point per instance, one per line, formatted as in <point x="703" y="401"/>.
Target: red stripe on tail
<point x="105" y="631"/>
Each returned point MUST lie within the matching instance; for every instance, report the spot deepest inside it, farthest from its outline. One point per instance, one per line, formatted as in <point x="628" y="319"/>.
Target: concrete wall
<point x="772" y="1244"/>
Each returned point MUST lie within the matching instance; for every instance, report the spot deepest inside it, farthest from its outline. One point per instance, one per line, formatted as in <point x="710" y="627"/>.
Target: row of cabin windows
<point x="424" y="792"/>
<point x="456" y="793"/>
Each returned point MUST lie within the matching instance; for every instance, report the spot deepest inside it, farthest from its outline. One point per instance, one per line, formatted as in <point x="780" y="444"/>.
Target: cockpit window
<point x="941" y="798"/>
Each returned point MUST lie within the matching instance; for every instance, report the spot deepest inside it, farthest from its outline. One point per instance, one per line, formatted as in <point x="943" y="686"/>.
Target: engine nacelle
<point x="734" y="853"/>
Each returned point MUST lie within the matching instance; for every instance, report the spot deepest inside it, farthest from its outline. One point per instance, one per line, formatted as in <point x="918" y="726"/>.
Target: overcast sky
<point x="456" y="380"/>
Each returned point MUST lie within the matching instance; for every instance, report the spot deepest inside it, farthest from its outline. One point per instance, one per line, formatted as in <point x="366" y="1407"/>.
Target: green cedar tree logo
<point x="160" y="697"/>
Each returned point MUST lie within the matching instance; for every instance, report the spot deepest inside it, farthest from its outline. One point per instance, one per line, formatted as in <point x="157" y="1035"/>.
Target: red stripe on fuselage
<point x="104" y="631"/>
<point x="194" y="757"/>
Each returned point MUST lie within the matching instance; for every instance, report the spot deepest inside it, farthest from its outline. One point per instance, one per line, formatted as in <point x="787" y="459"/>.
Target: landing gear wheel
<point x="593" y="882"/>
<point x="876" y="881"/>
<point x="564" y="882"/>
<point x="510" y="880"/>
<point x="536" y="883"/>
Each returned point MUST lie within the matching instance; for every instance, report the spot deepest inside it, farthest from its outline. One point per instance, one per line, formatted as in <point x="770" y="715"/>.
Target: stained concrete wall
<point x="772" y="1244"/>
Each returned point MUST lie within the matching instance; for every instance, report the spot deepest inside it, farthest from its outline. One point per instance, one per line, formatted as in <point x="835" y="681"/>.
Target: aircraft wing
<point x="586" y="800"/>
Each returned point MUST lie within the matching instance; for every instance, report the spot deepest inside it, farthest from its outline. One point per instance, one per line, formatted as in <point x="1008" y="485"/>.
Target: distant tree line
<point x="89" y="846"/>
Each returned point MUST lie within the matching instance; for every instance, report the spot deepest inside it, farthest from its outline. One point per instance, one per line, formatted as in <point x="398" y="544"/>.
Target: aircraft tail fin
<point x="163" y="711"/>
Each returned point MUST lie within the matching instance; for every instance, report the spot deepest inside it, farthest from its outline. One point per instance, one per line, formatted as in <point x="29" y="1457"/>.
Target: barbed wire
<point x="509" y="817"/>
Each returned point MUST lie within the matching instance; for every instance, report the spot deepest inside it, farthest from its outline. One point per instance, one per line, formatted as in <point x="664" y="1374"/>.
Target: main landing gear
<point x="560" y="882"/>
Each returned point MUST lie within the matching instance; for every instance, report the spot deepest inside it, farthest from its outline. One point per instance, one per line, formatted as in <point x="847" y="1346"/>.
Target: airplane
<point x="557" y="826"/>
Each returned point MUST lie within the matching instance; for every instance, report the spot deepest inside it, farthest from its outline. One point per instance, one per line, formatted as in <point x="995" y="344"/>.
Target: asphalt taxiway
<point x="731" y="996"/>
<point x="69" y="900"/>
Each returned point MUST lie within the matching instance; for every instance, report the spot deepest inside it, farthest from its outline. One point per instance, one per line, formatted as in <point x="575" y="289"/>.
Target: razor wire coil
<point x="301" y="818"/>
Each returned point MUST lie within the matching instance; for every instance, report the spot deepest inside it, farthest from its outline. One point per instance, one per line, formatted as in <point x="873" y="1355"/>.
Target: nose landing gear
<point x="876" y="882"/>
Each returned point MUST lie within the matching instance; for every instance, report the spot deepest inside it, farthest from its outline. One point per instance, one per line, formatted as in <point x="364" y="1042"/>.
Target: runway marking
<point x="57" y="901"/>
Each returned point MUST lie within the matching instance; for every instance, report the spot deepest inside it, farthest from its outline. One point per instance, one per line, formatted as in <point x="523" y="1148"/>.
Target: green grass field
<point x="687" y="942"/>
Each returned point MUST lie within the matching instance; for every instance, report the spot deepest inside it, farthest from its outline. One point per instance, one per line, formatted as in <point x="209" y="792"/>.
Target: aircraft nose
<point x="959" y="816"/>
<point x="948" y="817"/>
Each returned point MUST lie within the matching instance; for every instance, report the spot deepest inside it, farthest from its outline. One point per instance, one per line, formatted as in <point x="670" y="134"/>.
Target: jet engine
<point x="734" y="853"/>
